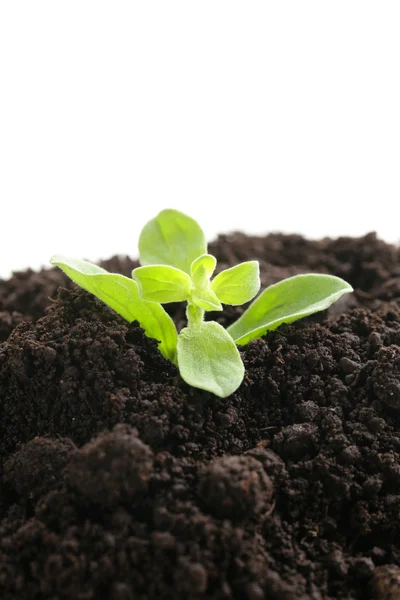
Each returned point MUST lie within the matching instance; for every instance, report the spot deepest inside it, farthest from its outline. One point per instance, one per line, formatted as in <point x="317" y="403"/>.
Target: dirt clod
<point x="37" y="467"/>
<point x="113" y="468"/>
<point x="235" y="486"/>
<point x="385" y="583"/>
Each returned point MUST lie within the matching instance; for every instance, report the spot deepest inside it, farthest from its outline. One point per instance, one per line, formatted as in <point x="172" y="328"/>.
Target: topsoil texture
<point x="118" y="481"/>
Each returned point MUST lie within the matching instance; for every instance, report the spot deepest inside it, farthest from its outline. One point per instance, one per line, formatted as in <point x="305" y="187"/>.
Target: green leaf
<point x="208" y="359"/>
<point x="122" y="295"/>
<point x="171" y="238"/>
<point x="284" y="302"/>
<point x="239" y="284"/>
<point x="162" y="283"/>
<point x="206" y="299"/>
<point x="201" y="270"/>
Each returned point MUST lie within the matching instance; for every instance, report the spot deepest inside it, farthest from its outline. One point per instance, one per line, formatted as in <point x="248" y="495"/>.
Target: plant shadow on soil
<point x="118" y="481"/>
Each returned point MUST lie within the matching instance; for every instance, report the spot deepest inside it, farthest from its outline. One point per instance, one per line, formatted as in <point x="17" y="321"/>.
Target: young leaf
<point x="122" y="295"/>
<point x="238" y="284"/>
<point x="209" y="359"/>
<point x="287" y="301"/>
<point x="162" y="283"/>
<point x="201" y="269"/>
<point x="206" y="299"/>
<point x="171" y="238"/>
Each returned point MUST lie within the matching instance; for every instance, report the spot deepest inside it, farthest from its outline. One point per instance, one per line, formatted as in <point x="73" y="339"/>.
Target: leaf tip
<point x="55" y="259"/>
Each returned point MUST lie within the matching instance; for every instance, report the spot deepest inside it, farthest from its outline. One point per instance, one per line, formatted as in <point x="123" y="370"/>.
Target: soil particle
<point x="296" y="441"/>
<point x="37" y="466"/>
<point x="118" y="481"/>
<point x="385" y="583"/>
<point x="111" y="469"/>
<point x="235" y="486"/>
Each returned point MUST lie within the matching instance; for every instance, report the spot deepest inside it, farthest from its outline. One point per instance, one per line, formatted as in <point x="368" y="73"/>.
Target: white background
<point x="247" y="115"/>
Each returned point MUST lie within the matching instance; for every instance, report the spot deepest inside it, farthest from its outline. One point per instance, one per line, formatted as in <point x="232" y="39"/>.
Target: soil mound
<point x="120" y="482"/>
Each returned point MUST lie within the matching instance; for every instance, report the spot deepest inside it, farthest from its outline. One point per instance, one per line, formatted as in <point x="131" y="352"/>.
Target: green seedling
<point x="177" y="268"/>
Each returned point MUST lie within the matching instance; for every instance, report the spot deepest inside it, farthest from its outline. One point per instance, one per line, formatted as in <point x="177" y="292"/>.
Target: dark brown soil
<point x="120" y="482"/>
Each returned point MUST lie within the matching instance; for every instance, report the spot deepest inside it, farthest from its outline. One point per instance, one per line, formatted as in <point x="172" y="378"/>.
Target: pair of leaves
<point x="165" y="283"/>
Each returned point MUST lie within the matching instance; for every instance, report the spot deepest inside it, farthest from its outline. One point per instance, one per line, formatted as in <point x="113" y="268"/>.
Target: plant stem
<point x="194" y="315"/>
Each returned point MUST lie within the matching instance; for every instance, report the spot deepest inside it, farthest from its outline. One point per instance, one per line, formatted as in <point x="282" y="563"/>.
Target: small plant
<point x="176" y="268"/>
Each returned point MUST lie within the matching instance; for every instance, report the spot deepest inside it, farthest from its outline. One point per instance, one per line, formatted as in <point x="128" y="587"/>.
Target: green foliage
<point x="287" y="301"/>
<point x="176" y="268"/>
<point x="208" y="359"/>
<point x="122" y="295"/>
<point x="206" y="299"/>
<point x="237" y="285"/>
<point x="202" y="295"/>
<point x="171" y="238"/>
<point x="162" y="283"/>
<point x="202" y="268"/>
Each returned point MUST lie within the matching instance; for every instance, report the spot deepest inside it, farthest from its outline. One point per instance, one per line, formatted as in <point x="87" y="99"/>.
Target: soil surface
<point x="120" y="482"/>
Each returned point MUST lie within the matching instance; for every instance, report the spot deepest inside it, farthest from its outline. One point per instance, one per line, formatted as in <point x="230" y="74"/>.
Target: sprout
<point x="176" y="268"/>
